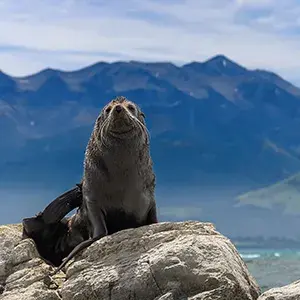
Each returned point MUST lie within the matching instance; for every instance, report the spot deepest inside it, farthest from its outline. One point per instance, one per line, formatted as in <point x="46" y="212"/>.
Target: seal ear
<point x="143" y="115"/>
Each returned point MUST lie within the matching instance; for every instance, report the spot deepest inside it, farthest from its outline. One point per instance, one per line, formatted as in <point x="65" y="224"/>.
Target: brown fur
<point x="118" y="182"/>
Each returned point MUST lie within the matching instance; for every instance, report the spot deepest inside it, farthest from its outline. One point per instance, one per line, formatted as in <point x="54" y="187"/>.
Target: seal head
<point x="120" y="120"/>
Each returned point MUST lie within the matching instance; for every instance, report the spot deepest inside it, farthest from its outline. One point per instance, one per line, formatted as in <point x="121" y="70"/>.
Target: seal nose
<point x="118" y="108"/>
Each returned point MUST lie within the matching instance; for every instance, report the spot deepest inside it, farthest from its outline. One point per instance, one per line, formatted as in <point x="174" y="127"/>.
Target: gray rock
<point x="185" y="260"/>
<point x="165" y="261"/>
<point x="23" y="271"/>
<point x="288" y="292"/>
<point x="9" y="237"/>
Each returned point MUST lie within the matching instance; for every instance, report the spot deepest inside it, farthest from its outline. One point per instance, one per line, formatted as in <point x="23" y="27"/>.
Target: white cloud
<point x="256" y="3"/>
<point x="69" y="34"/>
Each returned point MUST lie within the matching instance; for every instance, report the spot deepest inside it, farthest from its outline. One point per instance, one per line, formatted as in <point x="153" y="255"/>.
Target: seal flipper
<point x="152" y="216"/>
<point x="77" y="249"/>
<point x="62" y="205"/>
<point x="99" y="232"/>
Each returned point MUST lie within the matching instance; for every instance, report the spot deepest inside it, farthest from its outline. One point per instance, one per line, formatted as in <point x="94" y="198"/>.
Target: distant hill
<point x="284" y="194"/>
<point x="213" y="124"/>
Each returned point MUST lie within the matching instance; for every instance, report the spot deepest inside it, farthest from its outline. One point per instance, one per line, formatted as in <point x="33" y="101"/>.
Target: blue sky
<point x="69" y="34"/>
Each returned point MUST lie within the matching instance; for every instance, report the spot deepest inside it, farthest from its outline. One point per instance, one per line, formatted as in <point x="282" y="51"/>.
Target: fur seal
<point x="55" y="236"/>
<point x="55" y="241"/>
<point x="118" y="183"/>
<point x="62" y="205"/>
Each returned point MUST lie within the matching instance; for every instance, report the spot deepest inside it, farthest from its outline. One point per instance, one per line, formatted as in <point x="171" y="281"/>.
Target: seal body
<point x="118" y="186"/>
<point x="54" y="241"/>
<point x="118" y="182"/>
<point x="55" y="236"/>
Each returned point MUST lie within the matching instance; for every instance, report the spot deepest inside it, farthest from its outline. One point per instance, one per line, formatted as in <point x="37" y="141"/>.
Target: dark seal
<point x="118" y="183"/>
<point x="55" y="236"/>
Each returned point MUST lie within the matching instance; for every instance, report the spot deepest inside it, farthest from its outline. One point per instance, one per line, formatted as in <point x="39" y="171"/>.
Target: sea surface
<point x="272" y="267"/>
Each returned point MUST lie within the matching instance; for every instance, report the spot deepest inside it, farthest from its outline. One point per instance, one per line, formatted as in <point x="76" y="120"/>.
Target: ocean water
<point x="272" y="267"/>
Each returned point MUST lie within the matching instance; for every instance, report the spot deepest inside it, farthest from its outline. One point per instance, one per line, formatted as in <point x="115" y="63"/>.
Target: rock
<point x="184" y="260"/>
<point x="288" y="292"/>
<point x="165" y="261"/>
<point x="23" y="271"/>
<point x="9" y="237"/>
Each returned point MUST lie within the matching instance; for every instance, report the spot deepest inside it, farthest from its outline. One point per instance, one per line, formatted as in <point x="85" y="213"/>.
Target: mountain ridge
<point x="95" y="65"/>
<point x="226" y="97"/>
<point x="213" y="124"/>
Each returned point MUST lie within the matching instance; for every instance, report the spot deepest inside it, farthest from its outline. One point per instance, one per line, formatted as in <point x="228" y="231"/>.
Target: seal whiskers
<point x="142" y="127"/>
<point x="102" y="138"/>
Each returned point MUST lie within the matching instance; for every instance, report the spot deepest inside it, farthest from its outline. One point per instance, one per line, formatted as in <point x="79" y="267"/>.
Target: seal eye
<point x="131" y="108"/>
<point x="108" y="110"/>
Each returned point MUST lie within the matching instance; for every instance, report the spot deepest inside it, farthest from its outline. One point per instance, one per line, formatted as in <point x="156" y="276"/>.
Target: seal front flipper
<point x="77" y="249"/>
<point x="152" y="215"/>
<point x="62" y="205"/>
<point x="100" y="230"/>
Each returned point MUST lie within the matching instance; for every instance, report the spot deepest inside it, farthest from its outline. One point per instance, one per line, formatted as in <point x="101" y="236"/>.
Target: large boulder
<point x="165" y="261"/>
<point x="9" y="238"/>
<point x="23" y="272"/>
<point x="288" y="292"/>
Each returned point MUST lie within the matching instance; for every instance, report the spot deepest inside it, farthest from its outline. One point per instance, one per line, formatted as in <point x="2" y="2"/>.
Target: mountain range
<point x="218" y="130"/>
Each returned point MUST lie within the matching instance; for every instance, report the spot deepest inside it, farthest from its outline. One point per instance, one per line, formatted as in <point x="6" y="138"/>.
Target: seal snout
<point x="122" y="118"/>
<point x="119" y="111"/>
<point x="118" y="108"/>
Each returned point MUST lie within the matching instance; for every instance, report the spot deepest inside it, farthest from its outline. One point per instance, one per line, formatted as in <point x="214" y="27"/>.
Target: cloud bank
<point x="69" y="34"/>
